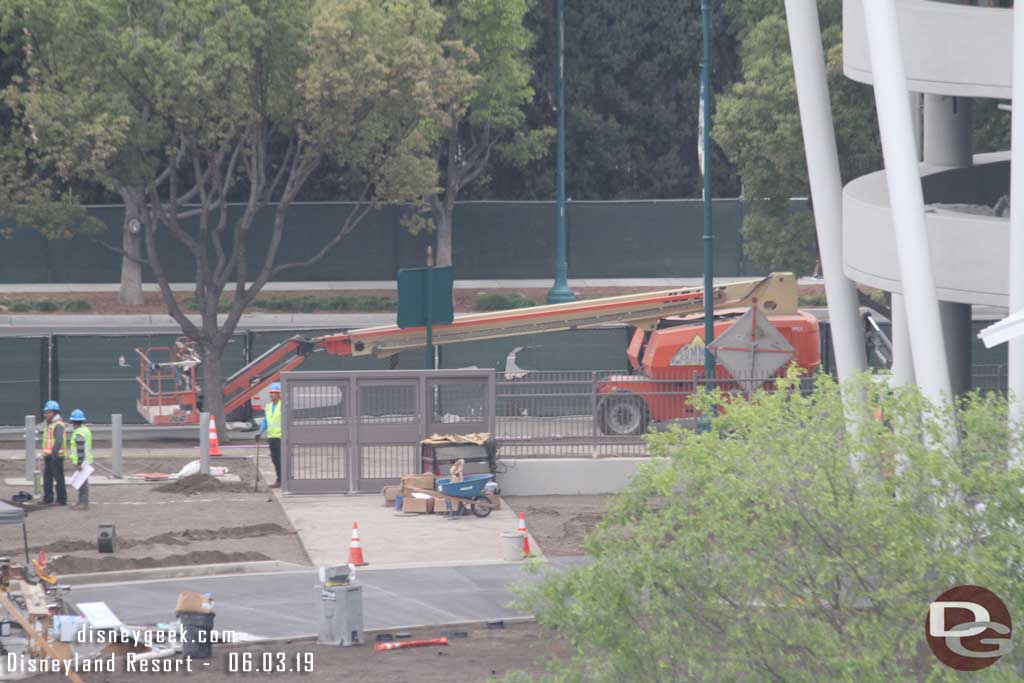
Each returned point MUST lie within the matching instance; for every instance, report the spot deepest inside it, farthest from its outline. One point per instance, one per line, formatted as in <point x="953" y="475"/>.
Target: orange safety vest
<point x="48" y="438"/>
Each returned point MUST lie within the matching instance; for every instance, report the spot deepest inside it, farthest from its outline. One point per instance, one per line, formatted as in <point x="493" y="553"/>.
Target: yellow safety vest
<point x="48" y="438"/>
<point x="72" y="447"/>
<point x="273" y="415"/>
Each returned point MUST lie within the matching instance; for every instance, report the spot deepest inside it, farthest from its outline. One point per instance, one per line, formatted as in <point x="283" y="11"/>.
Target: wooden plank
<point x="40" y="640"/>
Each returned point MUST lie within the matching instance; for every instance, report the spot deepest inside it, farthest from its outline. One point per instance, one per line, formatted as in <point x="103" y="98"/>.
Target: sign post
<point x="430" y="309"/>
<point x="425" y="300"/>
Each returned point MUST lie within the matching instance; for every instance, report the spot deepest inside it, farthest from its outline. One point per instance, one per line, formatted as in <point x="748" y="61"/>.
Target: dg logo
<point x="969" y="628"/>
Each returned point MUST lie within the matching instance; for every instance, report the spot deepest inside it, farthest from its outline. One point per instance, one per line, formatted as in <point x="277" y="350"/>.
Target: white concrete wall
<point x="970" y="253"/>
<point x="566" y="476"/>
<point x="947" y="49"/>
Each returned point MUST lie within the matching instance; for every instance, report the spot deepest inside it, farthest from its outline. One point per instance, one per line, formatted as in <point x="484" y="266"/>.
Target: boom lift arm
<point x="776" y="294"/>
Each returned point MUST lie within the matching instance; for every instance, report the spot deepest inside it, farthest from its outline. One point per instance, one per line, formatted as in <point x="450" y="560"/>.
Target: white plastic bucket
<point x="512" y="545"/>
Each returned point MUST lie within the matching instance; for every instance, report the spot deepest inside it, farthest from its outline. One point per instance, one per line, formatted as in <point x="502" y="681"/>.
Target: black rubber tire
<point x="480" y="511"/>
<point x="623" y="414"/>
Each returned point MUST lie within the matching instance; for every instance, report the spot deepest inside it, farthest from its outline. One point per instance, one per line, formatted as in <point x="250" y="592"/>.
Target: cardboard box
<point x="194" y="603"/>
<point x="419" y="481"/>
<point x="390" y="493"/>
<point x="423" y="506"/>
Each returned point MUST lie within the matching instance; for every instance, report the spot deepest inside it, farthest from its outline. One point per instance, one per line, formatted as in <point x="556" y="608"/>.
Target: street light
<point x="705" y="167"/>
<point x="560" y="292"/>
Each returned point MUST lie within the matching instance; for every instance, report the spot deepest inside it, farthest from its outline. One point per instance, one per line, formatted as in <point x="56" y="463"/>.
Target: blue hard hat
<point x="77" y="415"/>
<point x="276" y="386"/>
<point x="51" y="405"/>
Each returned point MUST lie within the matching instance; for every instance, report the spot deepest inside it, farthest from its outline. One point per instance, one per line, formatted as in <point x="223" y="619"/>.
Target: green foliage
<point x="500" y="301"/>
<point x="76" y="306"/>
<point x="777" y="236"/>
<point x="45" y="305"/>
<point x="780" y="545"/>
<point x="813" y="300"/>
<point x="632" y="79"/>
<point x="991" y="127"/>
<point x="341" y="304"/>
<point x="758" y="127"/>
<point x="193" y="104"/>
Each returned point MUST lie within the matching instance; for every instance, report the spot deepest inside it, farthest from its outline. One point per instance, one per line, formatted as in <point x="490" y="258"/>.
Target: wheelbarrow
<point x="468" y="492"/>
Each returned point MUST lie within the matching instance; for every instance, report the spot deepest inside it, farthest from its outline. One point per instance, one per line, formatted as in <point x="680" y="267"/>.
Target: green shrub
<point x="19" y="306"/>
<point x="45" y="305"/>
<point x="501" y="301"/>
<point x="308" y="303"/>
<point x="368" y="304"/>
<point x="813" y="300"/>
<point x="77" y="306"/>
<point x="780" y="545"/>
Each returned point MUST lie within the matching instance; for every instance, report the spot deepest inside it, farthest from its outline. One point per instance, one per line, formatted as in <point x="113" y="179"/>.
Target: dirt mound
<point x="194" y="535"/>
<point x="176" y="538"/>
<point x="201" y="483"/>
<point x="69" y="564"/>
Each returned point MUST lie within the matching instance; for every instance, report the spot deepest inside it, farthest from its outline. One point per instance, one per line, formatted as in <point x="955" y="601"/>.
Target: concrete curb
<point x="404" y="627"/>
<point x="182" y="572"/>
<point x="102" y="480"/>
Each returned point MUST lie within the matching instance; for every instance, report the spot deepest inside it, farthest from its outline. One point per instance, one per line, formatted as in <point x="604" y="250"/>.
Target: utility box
<point x="341" y="608"/>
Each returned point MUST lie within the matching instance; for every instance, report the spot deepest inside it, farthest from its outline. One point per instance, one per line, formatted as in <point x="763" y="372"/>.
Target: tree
<point x="632" y="79"/>
<point x="780" y="546"/>
<point x="31" y="195"/>
<point x="758" y="127"/>
<point x="208" y="101"/>
<point x="488" y="119"/>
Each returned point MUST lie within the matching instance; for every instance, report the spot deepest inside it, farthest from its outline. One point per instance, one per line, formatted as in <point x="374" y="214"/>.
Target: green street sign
<point x="425" y="296"/>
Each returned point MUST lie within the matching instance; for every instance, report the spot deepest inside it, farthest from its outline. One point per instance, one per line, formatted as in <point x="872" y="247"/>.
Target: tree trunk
<point x="130" y="293"/>
<point x="213" y="386"/>
<point x="443" y="257"/>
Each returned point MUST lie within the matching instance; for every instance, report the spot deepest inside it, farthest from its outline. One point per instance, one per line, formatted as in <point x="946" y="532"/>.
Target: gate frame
<point x="350" y="382"/>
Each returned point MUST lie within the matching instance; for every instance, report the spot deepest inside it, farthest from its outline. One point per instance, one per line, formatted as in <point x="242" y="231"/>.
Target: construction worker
<point x="271" y="425"/>
<point x="53" y="455"/>
<point x="80" y="452"/>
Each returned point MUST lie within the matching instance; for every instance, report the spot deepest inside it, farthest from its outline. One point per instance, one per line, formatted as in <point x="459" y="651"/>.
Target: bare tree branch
<point x="353" y="219"/>
<point x="122" y="252"/>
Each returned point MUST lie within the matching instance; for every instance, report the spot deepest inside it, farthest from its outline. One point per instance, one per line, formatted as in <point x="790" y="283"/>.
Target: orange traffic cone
<point x="214" y="442"/>
<point x="526" y="537"/>
<point x="355" y="550"/>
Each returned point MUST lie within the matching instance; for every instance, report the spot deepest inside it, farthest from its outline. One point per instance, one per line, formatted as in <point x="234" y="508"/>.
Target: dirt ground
<point x="198" y="523"/>
<point x="560" y="523"/>
<point x="483" y="655"/>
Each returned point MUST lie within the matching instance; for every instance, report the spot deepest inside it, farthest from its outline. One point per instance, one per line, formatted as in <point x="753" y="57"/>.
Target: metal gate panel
<point x="357" y="431"/>
<point x="389" y="427"/>
<point x="316" y="450"/>
<point x="460" y="405"/>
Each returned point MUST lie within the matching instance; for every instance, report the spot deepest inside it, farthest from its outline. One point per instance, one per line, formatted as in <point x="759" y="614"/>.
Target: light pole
<point x="705" y="159"/>
<point x="560" y="292"/>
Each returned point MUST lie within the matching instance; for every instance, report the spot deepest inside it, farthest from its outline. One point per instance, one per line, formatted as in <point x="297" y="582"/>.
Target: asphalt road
<point x="287" y="605"/>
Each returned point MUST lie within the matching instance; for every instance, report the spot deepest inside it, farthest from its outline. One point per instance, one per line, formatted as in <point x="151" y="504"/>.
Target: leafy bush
<point x="77" y="306"/>
<point x="19" y="306"/>
<point x="309" y="303"/>
<point x="45" y="305"/>
<point x="500" y="301"/>
<point x="779" y="545"/>
<point x="813" y="300"/>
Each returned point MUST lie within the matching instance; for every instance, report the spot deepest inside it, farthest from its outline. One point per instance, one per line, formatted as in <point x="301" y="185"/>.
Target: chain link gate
<point x="357" y="431"/>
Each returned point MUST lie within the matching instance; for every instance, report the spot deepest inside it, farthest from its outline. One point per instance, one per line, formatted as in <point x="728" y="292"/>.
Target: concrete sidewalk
<point x="394" y="539"/>
<point x="286" y="604"/>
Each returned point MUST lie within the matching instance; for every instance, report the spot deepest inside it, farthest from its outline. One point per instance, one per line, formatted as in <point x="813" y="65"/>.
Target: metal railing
<point x="590" y="413"/>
